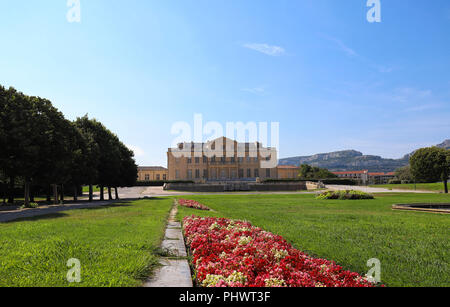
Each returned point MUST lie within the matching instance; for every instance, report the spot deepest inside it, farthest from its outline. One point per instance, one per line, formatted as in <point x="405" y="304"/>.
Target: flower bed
<point x="344" y="195"/>
<point x="192" y="204"/>
<point x="235" y="254"/>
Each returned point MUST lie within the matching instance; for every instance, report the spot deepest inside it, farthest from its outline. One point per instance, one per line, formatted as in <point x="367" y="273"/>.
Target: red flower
<point x="230" y="253"/>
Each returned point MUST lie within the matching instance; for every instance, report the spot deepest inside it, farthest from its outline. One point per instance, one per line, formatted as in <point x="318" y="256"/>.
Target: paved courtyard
<point x="140" y="192"/>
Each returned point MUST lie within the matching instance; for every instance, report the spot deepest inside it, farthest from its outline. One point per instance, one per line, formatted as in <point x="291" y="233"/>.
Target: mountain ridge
<point x="352" y="160"/>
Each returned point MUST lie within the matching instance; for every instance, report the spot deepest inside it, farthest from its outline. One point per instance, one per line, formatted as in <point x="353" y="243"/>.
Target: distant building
<point x="380" y="178"/>
<point x="221" y="160"/>
<point x="288" y="172"/>
<point x="152" y="173"/>
<point x="366" y="177"/>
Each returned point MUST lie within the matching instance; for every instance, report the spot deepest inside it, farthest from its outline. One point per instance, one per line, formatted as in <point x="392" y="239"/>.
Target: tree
<point x="91" y="156"/>
<point x="108" y="166"/>
<point x="310" y="172"/>
<point x="13" y="138"/>
<point x="128" y="168"/>
<point x="431" y="165"/>
<point x="404" y="174"/>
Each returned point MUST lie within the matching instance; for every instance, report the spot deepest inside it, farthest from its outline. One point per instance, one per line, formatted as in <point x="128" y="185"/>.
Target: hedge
<point x="334" y="181"/>
<point x="159" y="183"/>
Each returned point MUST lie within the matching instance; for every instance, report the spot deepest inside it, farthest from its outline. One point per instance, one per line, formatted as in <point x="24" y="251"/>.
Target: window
<point x="223" y="160"/>
<point x="197" y="174"/>
<point x="233" y="160"/>
<point x="205" y="174"/>
<point x="189" y="160"/>
<point x="164" y="177"/>
<point x="189" y="174"/>
<point x="158" y="177"/>
<point x="213" y="159"/>
<point x="268" y="172"/>
<point x="147" y="177"/>
<point x="241" y="173"/>
<point x="197" y="160"/>
<point x="249" y="173"/>
<point x="177" y="174"/>
<point x="249" y="159"/>
<point x="241" y="160"/>
<point x="205" y="160"/>
<point x="256" y="173"/>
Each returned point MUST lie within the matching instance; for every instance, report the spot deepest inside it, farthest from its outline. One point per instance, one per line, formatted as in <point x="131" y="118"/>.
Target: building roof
<point x="152" y="168"/>
<point x="351" y="173"/>
<point x="287" y="167"/>
<point x="381" y="174"/>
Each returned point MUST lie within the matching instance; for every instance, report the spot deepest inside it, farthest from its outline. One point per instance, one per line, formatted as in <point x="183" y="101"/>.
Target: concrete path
<point x="11" y="213"/>
<point x="174" y="270"/>
<point x="372" y="190"/>
<point x="7" y="216"/>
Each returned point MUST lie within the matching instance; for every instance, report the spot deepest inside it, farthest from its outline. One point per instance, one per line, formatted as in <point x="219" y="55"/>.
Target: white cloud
<point x="385" y="69"/>
<point x="407" y="94"/>
<point x="255" y="90"/>
<point x="138" y="152"/>
<point x="266" y="49"/>
<point x="423" y="107"/>
<point x="343" y="47"/>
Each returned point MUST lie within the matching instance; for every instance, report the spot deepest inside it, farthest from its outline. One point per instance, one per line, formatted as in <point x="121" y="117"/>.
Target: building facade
<point x="365" y="177"/>
<point x="152" y="173"/>
<point x="288" y="172"/>
<point x="221" y="160"/>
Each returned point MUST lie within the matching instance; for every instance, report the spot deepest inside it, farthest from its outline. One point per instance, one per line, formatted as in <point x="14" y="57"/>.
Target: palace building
<point x="152" y="173"/>
<point x="221" y="160"/>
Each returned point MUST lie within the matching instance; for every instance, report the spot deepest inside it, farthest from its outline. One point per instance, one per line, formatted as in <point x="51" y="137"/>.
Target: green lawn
<point x="94" y="189"/>
<point x="116" y="245"/>
<point x="414" y="247"/>
<point x="435" y="187"/>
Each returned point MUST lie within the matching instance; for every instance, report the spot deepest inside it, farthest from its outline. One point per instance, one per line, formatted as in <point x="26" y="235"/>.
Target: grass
<point x="434" y="187"/>
<point x="94" y="189"/>
<point x="117" y="245"/>
<point x="414" y="247"/>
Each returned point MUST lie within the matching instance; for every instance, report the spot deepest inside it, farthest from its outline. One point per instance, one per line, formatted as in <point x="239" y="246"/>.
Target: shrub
<point x="159" y="183"/>
<point x="394" y="181"/>
<point x="30" y="206"/>
<point x="344" y="195"/>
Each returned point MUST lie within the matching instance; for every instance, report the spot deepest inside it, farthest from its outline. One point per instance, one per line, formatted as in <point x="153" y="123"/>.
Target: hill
<point x="351" y="160"/>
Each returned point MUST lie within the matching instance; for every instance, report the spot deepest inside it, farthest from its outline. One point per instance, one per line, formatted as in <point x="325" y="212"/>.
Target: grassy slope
<point x="414" y="248"/>
<point x="116" y="245"/>
<point x="436" y="187"/>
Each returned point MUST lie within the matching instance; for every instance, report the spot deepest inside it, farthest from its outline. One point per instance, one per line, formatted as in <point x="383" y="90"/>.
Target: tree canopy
<point x="40" y="147"/>
<point x="311" y="172"/>
<point x="431" y="165"/>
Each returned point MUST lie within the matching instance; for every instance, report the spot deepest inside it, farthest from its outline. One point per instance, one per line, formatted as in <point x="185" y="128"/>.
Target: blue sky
<point x="331" y="79"/>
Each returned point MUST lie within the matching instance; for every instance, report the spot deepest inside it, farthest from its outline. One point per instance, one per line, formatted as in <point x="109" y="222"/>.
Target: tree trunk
<point x="12" y="180"/>
<point x="102" y="195"/>
<point x="75" y="193"/>
<point x="109" y="194"/>
<point x="62" y="194"/>
<point x="117" y="194"/>
<point x="31" y="193"/>
<point x="48" y="192"/>
<point x="91" y="192"/>
<point x="446" y="186"/>
<point x="55" y="194"/>
<point x="27" y="193"/>
<point x="4" y="192"/>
